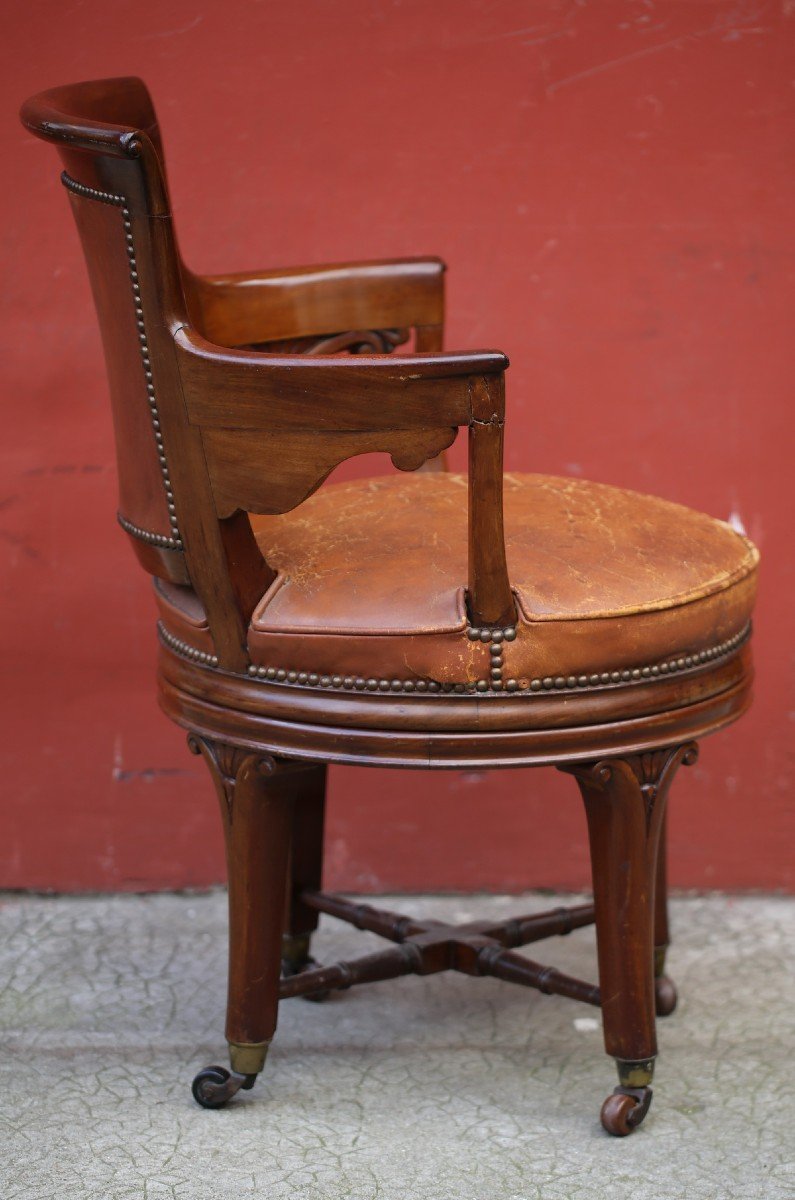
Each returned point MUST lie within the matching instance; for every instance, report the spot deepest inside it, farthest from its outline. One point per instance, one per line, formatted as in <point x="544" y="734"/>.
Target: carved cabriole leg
<point x="306" y="868"/>
<point x="255" y="794"/>
<point x="625" y="805"/>
<point x="664" y="989"/>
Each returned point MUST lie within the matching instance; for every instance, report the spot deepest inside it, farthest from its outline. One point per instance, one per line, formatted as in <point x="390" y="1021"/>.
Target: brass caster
<point x="664" y="996"/>
<point x="625" y="1109"/>
<point x="214" y="1086"/>
<point x="290" y="968"/>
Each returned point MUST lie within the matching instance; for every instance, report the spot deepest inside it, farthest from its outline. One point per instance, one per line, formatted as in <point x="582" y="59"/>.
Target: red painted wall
<point x="612" y="185"/>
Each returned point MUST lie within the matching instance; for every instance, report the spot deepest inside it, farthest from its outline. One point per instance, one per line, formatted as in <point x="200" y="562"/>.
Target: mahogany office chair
<point x="394" y="621"/>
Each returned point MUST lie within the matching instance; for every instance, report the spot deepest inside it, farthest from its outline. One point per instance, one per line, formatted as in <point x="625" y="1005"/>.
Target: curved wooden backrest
<point x="206" y="434"/>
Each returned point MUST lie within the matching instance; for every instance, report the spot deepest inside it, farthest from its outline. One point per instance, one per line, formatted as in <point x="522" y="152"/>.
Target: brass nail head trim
<point x="120" y="202"/>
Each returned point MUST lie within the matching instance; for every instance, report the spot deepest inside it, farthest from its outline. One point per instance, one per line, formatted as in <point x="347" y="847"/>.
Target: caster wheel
<point x="289" y="969"/>
<point x="664" y="996"/>
<point x="214" y="1086"/>
<point x="625" y="1109"/>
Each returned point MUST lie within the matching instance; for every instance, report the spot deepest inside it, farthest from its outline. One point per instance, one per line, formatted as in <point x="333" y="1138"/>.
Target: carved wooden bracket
<point x="651" y="773"/>
<point x="302" y="461"/>
<point x="226" y="764"/>
<point x="354" y="341"/>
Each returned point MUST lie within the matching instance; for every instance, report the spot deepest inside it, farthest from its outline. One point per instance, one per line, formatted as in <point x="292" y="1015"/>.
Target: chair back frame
<point x="208" y="430"/>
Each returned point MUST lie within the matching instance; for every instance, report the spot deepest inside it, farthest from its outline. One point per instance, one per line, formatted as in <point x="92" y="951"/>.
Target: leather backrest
<point x="110" y="145"/>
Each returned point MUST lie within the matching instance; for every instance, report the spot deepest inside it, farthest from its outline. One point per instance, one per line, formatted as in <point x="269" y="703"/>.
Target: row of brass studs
<point x="633" y="674"/>
<point x="174" y="542"/>
<point x="145" y="535"/>
<point x="185" y="649"/>
<point x="359" y="683"/>
<point x="494" y="638"/>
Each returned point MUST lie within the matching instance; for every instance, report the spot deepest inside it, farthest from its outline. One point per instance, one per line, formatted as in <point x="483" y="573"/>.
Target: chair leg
<point x="306" y="866"/>
<point x="664" y="987"/>
<point x="255" y="794"/>
<point x="625" y="804"/>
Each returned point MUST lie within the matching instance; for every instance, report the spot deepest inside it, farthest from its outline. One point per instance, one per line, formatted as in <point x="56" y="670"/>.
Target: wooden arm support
<point x="273" y="427"/>
<point x="243" y="309"/>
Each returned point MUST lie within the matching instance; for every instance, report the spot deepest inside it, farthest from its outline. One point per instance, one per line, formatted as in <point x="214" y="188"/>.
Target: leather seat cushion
<point x="372" y="576"/>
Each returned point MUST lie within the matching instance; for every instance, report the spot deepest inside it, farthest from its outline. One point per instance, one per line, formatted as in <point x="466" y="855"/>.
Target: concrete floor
<point x="444" y="1088"/>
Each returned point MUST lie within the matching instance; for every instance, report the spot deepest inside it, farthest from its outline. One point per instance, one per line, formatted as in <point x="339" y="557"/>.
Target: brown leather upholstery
<point x="371" y="584"/>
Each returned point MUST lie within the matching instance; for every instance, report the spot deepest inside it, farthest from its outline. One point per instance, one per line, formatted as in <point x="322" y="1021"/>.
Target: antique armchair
<point x="423" y="620"/>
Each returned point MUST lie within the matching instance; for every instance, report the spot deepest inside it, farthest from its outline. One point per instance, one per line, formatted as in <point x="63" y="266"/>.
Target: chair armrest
<point x="263" y="306"/>
<point x="273" y="427"/>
